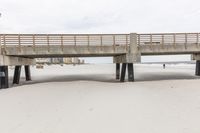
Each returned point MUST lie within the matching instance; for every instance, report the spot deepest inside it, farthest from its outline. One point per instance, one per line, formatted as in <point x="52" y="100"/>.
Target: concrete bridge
<point x="126" y="49"/>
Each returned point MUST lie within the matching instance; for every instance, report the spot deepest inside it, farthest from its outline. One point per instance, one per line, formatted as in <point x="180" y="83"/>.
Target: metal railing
<point x="169" y="39"/>
<point x="114" y="40"/>
<point x="34" y="40"/>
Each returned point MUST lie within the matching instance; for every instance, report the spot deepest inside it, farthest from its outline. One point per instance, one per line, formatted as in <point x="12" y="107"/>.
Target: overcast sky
<point x="99" y="16"/>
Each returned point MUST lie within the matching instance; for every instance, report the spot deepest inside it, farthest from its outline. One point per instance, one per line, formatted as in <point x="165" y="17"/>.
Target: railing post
<point x="174" y="40"/>
<point x="88" y="42"/>
<point x="126" y="43"/>
<point x="139" y="40"/>
<point x="4" y="41"/>
<point x="19" y="43"/>
<point x="197" y="39"/>
<point x="101" y="38"/>
<point x="62" y="46"/>
<point x="114" y="43"/>
<point x="151" y="39"/>
<point x="186" y="40"/>
<point x="163" y="41"/>
<point x="48" y="43"/>
<point x="0" y="44"/>
<point x="34" y="43"/>
<point x="75" y="41"/>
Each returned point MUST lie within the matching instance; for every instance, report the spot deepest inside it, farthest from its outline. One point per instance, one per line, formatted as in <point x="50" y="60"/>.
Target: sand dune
<point x="88" y="99"/>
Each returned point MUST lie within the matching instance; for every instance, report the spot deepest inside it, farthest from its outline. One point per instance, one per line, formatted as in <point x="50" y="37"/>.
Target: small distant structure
<point x="163" y="66"/>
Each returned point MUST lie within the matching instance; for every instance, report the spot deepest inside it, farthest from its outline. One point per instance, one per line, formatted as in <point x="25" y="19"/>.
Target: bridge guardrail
<point x="173" y="39"/>
<point x="34" y="40"/>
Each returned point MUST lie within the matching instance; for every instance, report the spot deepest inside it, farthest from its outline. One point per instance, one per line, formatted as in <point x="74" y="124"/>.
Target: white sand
<point x="87" y="99"/>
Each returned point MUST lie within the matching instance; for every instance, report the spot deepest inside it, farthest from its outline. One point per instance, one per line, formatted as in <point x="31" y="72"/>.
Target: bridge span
<point x="126" y="49"/>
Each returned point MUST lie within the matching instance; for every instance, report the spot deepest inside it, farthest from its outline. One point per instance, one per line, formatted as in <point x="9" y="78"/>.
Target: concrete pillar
<point x="117" y="70"/>
<point x="17" y="74"/>
<point x="130" y="72"/>
<point x="134" y="54"/>
<point x="4" y="77"/>
<point x="27" y="72"/>
<point x="198" y="68"/>
<point x="123" y="72"/>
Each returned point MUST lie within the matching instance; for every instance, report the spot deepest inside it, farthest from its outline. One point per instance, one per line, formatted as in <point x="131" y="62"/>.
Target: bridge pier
<point x="198" y="68"/>
<point x="123" y="72"/>
<point x="17" y="73"/>
<point x="27" y="72"/>
<point x="117" y="70"/>
<point x="4" y="77"/>
<point x="130" y="72"/>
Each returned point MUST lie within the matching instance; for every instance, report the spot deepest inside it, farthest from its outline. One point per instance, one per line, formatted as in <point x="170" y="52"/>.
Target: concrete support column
<point x="27" y="72"/>
<point x="198" y="68"/>
<point x="123" y="72"/>
<point x="17" y="74"/>
<point x="4" y="77"/>
<point x="117" y="70"/>
<point x="130" y="72"/>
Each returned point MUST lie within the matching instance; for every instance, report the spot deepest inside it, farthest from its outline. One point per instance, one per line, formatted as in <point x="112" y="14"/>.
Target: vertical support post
<point x="48" y="43"/>
<point x="114" y="43"/>
<point x="4" y="77"/>
<point x="34" y="43"/>
<point x="117" y="70"/>
<point x="126" y="43"/>
<point x="123" y="72"/>
<point x="0" y="44"/>
<point x="17" y="75"/>
<point x="27" y="72"/>
<point x="163" y="41"/>
<point x="19" y="44"/>
<point x="61" y="42"/>
<point x="197" y="68"/>
<point x="186" y="40"/>
<point x="130" y="72"/>
<point x="101" y="41"/>
<point x="151" y="41"/>
<point x="174" y="40"/>
<point x="197" y="40"/>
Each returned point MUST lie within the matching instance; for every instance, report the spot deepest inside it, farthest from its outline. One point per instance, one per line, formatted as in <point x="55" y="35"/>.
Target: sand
<point x="87" y="99"/>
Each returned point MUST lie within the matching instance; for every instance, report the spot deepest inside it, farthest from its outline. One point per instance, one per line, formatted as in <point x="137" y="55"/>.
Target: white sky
<point x="99" y="16"/>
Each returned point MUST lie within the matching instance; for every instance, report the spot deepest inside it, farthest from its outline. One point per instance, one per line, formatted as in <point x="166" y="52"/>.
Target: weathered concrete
<point x="197" y="68"/>
<point x="27" y="72"/>
<point x="4" y="77"/>
<point x="123" y="72"/>
<point x="117" y="70"/>
<point x="17" y="74"/>
<point x="130" y="72"/>
<point x="13" y="61"/>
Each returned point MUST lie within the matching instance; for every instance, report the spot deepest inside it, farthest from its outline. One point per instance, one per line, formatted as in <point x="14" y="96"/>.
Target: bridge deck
<point x="88" y="45"/>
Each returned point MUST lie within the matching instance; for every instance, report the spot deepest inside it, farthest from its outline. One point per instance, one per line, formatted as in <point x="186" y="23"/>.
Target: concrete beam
<point x="15" y="61"/>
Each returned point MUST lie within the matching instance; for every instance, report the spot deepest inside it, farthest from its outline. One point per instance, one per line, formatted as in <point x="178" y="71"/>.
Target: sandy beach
<point x="88" y="99"/>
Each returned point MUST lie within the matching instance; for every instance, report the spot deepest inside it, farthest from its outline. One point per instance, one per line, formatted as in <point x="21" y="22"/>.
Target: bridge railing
<point x="172" y="39"/>
<point x="62" y="40"/>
